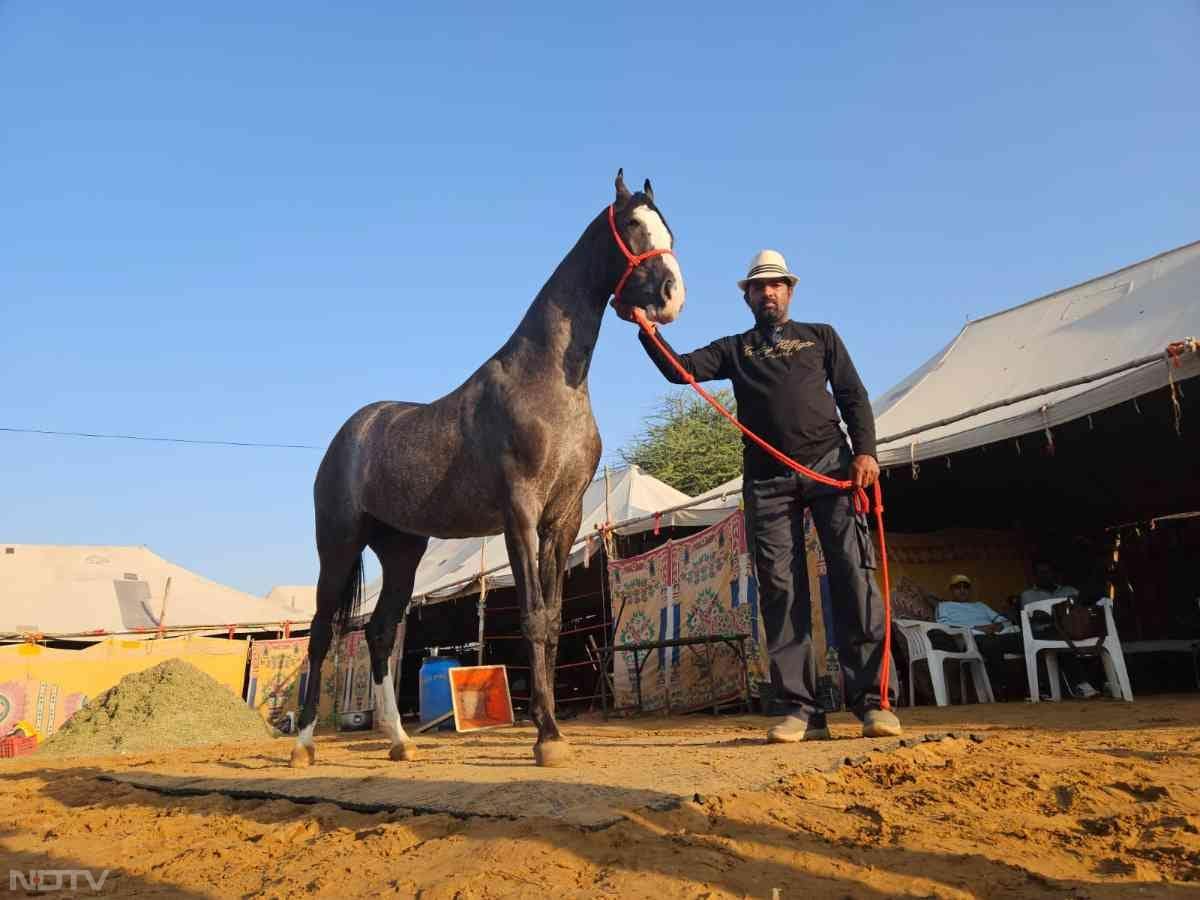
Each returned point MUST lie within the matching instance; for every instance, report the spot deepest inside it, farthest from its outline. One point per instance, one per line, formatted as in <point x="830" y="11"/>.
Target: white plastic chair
<point x="1110" y="652"/>
<point x="916" y="634"/>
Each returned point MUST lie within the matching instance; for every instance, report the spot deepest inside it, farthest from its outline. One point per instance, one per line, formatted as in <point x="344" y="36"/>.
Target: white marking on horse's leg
<point x="304" y="753"/>
<point x="387" y="714"/>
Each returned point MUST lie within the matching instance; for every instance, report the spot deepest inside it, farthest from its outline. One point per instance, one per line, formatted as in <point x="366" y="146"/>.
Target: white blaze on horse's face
<point x="660" y="238"/>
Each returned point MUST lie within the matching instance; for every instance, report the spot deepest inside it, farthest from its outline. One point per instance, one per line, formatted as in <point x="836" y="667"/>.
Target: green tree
<point x="687" y="443"/>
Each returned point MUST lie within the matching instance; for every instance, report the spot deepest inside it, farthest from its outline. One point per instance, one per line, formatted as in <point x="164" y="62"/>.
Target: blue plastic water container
<point x="434" y="681"/>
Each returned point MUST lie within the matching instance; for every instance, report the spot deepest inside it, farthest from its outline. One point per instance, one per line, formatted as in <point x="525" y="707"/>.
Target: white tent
<point x="301" y="599"/>
<point x="59" y="590"/>
<point x="453" y="567"/>
<point x="1048" y="361"/>
<point x="710" y="507"/>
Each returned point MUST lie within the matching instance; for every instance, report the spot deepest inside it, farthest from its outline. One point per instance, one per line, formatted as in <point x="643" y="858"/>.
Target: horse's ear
<point x="649" y="191"/>
<point x="622" y="191"/>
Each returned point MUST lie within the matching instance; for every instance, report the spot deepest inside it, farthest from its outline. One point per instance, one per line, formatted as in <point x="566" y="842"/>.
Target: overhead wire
<point x="162" y="440"/>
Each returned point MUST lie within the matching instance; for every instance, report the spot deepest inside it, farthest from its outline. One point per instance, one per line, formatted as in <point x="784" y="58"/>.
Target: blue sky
<point x="244" y="221"/>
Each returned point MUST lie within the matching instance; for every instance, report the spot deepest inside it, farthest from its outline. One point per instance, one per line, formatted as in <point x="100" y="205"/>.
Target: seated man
<point x="962" y="610"/>
<point x="994" y="634"/>
<point x="1046" y="585"/>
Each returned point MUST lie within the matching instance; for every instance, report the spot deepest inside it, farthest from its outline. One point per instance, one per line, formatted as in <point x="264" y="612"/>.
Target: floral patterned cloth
<point x="703" y="585"/>
<point x="911" y="601"/>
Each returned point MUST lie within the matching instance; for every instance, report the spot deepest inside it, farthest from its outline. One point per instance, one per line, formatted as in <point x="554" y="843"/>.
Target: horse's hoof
<point x="552" y="753"/>
<point x="403" y="752"/>
<point x="303" y="756"/>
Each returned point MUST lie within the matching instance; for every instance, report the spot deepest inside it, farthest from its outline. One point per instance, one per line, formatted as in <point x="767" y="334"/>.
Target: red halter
<point x="634" y="260"/>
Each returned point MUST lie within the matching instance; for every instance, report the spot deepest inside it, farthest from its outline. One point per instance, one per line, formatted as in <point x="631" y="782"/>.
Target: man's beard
<point x="767" y="318"/>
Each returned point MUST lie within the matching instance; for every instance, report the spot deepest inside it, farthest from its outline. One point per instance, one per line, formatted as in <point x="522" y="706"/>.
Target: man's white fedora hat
<point x="767" y="265"/>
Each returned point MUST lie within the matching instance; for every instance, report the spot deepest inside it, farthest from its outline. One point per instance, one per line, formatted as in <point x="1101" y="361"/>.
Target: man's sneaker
<point x="881" y="723"/>
<point x="1086" y="691"/>
<point x="798" y="728"/>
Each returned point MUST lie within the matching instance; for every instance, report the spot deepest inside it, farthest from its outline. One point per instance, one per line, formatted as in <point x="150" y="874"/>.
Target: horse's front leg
<point x="554" y="547"/>
<point x="540" y="626"/>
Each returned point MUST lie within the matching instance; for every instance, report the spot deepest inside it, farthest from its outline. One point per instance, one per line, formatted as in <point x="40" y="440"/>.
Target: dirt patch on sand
<point x="1058" y="800"/>
<point x="170" y="705"/>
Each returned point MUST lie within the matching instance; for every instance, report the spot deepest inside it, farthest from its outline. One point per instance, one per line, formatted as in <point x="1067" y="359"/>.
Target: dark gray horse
<point x="512" y="450"/>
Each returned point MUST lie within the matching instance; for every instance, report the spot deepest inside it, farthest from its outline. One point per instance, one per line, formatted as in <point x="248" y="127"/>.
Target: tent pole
<point x="162" y="613"/>
<point x="482" y="605"/>
<point x="604" y="557"/>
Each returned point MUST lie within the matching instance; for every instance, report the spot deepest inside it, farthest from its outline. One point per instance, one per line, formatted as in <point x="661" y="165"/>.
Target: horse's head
<point x="655" y="282"/>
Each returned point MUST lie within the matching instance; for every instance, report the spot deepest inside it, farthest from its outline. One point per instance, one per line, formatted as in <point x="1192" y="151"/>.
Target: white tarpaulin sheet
<point x="1101" y="324"/>
<point x="55" y="589"/>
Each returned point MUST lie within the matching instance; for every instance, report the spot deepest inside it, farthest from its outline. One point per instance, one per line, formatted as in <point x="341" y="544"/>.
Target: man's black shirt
<point x="779" y="377"/>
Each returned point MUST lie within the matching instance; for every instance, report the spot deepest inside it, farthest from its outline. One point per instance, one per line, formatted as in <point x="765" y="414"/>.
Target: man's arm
<point x="851" y="396"/>
<point x="704" y="364"/>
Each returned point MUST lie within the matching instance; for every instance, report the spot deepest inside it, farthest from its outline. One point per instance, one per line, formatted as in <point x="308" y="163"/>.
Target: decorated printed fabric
<point x="41" y="703"/>
<point x="703" y="585"/>
<point x="51" y="706"/>
<point x="353" y="683"/>
<point x="279" y="675"/>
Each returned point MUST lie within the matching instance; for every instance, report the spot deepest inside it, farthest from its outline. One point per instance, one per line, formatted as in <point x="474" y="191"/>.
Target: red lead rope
<point x="861" y="503"/>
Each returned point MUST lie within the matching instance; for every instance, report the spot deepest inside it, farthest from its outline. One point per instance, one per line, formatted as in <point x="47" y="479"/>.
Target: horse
<point x="510" y="451"/>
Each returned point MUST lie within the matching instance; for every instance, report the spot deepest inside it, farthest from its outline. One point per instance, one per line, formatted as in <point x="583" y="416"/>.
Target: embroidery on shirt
<point x="783" y="348"/>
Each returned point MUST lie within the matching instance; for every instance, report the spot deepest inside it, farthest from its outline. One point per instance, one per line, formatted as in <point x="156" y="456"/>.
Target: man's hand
<point x="994" y="628"/>
<point x="864" y="471"/>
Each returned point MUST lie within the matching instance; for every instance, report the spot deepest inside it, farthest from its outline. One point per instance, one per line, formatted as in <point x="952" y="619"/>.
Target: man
<point x="995" y="635"/>
<point x="962" y="610"/>
<point x="779" y="371"/>
<point x="1046" y="585"/>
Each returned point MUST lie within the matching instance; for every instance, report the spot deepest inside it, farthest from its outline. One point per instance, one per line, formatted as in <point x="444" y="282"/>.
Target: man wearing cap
<point x="780" y="369"/>
<point x="962" y="610"/>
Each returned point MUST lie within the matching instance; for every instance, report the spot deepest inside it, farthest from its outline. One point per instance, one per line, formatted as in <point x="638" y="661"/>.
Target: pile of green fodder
<point x="170" y="705"/>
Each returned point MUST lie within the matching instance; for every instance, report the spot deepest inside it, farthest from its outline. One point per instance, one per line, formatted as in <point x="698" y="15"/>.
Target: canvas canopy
<point x="61" y="590"/>
<point x="452" y="567"/>
<point x="1120" y="323"/>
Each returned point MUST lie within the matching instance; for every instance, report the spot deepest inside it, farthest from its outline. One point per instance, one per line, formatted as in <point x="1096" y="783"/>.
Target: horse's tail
<point x="351" y="598"/>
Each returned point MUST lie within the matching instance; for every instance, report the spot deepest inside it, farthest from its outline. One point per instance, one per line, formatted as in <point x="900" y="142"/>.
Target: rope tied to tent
<point x="1046" y="429"/>
<point x="862" y="505"/>
<point x="1175" y="350"/>
<point x="608" y="540"/>
<point x="483" y="581"/>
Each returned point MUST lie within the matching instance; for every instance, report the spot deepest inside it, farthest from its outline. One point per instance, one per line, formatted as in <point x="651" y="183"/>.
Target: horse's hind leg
<point x="337" y="584"/>
<point x="399" y="554"/>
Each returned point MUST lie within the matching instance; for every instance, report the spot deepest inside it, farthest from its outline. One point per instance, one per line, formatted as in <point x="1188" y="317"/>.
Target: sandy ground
<point x="1097" y="800"/>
